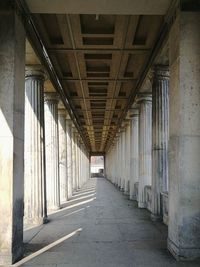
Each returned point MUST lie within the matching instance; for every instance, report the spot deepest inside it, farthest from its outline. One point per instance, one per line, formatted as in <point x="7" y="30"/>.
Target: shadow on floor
<point x="76" y="204"/>
<point x="99" y="227"/>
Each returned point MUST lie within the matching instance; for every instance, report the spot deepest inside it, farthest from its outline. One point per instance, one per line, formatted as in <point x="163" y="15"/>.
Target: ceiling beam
<point x="111" y="7"/>
<point x="133" y="51"/>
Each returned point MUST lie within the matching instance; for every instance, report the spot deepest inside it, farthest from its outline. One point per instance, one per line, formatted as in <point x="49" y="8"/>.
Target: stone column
<point x="80" y="162"/>
<point x="12" y="66"/>
<point x="160" y="135"/>
<point x="116" y="167"/>
<point x="69" y="156"/>
<point x="34" y="156"/>
<point x="62" y="155"/>
<point x="127" y="159"/>
<point x="119" y="160"/>
<point x="184" y="134"/>
<point x="145" y="149"/>
<point x="81" y="171"/>
<point x="52" y="156"/>
<point x="116" y="163"/>
<point x="77" y="161"/>
<point x="134" y="115"/>
<point x="124" y="159"/>
<point x="73" y="159"/>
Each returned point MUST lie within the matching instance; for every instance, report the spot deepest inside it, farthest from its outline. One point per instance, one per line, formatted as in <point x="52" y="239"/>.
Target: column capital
<point x="127" y="122"/>
<point x="35" y="71"/>
<point x="51" y="97"/>
<point x="143" y="98"/>
<point x="74" y="130"/>
<point x="133" y="112"/>
<point x="122" y="127"/>
<point x="161" y="72"/>
<point x="62" y="112"/>
<point x="68" y="118"/>
<point x="68" y="121"/>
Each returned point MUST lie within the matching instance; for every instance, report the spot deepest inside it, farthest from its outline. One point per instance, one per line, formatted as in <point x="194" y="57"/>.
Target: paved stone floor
<point x="99" y="227"/>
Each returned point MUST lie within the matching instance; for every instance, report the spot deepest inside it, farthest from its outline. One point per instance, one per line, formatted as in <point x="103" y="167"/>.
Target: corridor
<point x="99" y="226"/>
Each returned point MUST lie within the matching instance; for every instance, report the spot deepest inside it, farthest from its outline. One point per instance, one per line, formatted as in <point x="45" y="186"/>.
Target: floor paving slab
<point x="99" y="227"/>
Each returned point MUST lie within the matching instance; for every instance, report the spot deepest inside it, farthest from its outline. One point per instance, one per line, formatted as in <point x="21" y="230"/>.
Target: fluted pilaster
<point x="160" y="135"/>
<point x="145" y="141"/>
<point x="52" y="157"/>
<point x="35" y="183"/>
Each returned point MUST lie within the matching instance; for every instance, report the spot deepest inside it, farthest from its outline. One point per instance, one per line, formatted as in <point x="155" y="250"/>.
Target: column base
<point x="142" y="205"/>
<point x="36" y="221"/>
<point x="52" y="209"/>
<point x="165" y="219"/>
<point x="126" y="193"/>
<point x="183" y="254"/>
<point x="45" y="220"/>
<point x="133" y="197"/>
<point x="156" y="218"/>
<point x="10" y="258"/>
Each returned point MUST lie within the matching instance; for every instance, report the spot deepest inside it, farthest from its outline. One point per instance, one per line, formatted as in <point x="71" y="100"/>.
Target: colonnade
<point x="154" y="160"/>
<point x="56" y="162"/>
<point x="42" y="156"/>
<point x="164" y="161"/>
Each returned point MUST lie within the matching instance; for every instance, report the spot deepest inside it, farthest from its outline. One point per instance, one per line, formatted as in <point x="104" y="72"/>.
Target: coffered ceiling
<point x="98" y="60"/>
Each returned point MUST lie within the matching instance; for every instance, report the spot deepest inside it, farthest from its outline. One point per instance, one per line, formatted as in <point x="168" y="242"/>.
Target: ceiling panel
<point x="98" y="59"/>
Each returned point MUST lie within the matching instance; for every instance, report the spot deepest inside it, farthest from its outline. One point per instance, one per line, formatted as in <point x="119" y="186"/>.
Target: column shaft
<point x="145" y="141"/>
<point x="52" y="157"/>
<point x="124" y="159"/>
<point x="73" y="161"/>
<point x="35" y="183"/>
<point x="69" y="156"/>
<point x="134" y="152"/>
<point x="62" y="155"/>
<point x="127" y="160"/>
<point x="159" y="138"/>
